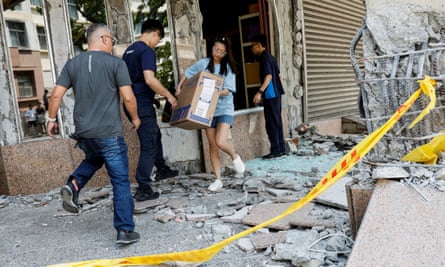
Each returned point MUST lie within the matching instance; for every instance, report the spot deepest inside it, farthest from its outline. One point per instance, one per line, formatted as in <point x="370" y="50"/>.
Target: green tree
<point x="94" y="12"/>
<point x="154" y="12"/>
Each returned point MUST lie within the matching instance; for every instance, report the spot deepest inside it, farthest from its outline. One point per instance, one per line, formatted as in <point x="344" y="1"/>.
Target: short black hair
<point x="259" y="38"/>
<point x="152" y="25"/>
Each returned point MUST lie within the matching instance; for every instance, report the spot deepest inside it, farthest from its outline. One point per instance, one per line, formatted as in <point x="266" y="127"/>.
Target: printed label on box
<point x="202" y="109"/>
<point x="207" y="90"/>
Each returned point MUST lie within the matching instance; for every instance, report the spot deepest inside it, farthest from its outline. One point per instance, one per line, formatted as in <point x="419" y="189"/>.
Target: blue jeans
<point x="222" y="119"/>
<point x="113" y="152"/>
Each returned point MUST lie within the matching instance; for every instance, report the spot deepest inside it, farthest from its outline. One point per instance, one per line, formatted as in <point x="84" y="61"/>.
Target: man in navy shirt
<point x="270" y="93"/>
<point x="141" y="62"/>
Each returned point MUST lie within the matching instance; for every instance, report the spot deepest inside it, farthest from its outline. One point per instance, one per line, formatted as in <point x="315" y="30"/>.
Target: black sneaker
<point x="274" y="155"/>
<point x="165" y="173"/>
<point x="127" y="237"/>
<point x="70" y="196"/>
<point x="143" y="194"/>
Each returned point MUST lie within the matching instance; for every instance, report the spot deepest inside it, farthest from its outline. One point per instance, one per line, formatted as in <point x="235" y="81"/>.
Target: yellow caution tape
<point x="428" y="153"/>
<point x="338" y="171"/>
<point x="427" y="87"/>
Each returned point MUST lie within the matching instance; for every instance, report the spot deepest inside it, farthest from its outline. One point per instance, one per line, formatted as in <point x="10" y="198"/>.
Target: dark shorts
<point x="222" y="119"/>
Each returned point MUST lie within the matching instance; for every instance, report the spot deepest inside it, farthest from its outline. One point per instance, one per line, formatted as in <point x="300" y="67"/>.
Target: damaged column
<point x="9" y="114"/>
<point x="403" y="43"/>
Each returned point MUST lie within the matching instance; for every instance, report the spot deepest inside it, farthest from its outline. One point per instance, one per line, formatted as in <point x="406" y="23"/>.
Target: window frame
<point x="37" y="3"/>
<point x="21" y="38"/>
<point x="25" y="84"/>
<point x="72" y="9"/>
<point x="43" y="43"/>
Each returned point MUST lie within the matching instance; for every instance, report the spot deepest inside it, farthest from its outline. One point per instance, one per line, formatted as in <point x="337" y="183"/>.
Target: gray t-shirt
<point x="95" y="77"/>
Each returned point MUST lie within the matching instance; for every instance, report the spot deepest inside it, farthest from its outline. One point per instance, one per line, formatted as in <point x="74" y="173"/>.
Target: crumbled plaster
<point x="394" y="32"/>
<point x="7" y="126"/>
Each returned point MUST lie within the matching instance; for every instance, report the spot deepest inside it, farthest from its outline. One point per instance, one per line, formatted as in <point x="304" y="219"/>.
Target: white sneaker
<point x="216" y="186"/>
<point x="238" y="165"/>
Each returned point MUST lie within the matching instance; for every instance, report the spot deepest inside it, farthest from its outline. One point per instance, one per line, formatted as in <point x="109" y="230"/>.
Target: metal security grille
<point x="331" y="90"/>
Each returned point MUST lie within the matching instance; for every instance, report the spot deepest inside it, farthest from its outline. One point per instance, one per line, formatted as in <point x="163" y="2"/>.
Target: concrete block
<point x="358" y="199"/>
<point x="264" y="240"/>
<point x="335" y="196"/>
<point x="401" y="228"/>
<point x="42" y="166"/>
<point x="45" y="164"/>
<point x="263" y="212"/>
<point x="248" y="136"/>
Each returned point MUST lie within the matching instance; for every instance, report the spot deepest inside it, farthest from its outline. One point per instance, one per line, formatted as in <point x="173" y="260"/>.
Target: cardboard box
<point x="197" y="101"/>
<point x="253" y="73"/>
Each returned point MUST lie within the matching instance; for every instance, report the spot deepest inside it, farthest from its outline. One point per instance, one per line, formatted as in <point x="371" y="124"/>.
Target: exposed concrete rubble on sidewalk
<point x="187" y="216"/>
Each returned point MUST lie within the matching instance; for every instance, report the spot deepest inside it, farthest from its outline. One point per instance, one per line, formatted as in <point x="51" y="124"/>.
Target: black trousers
<point x="151" y="151"/>
<point x="274" y="124"/>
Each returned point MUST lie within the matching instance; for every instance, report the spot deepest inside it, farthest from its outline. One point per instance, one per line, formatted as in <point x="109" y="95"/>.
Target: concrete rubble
<point x="187" y="216"/>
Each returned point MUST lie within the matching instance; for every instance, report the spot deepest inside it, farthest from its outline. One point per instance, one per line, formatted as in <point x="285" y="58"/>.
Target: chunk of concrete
<point x="264" y="240"/>
<point x="335" y="196"/>
<point x="295" y="249"/>
<point x="238" y="216"/>
<point x="401" y="228"/>
<point x="263" y="212"/>
<point x="144" y="206"/>
<point x="199" y="217"/>
<point x="358" y="198"/>
<point x="245" y="244"/>
<point x="389" y="173"/>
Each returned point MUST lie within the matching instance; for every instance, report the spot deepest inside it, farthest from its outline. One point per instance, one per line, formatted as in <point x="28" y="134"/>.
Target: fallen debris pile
<point x="187" y="216"/>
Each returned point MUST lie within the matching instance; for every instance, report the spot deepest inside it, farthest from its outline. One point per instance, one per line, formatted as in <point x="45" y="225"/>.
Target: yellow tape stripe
<point x="427" y="87"/>
<point x="338" y="171"/>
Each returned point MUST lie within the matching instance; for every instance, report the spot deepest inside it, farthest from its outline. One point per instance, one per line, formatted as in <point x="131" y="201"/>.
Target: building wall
<point x="29" y="58"/>
<point x="28" y="61"/>
<point x="248" y="135"/>
<point x="285" y="24"/>
<point x="186" y="16"/>
<point x="40" y="165"/>
<point x="10" y="125"/>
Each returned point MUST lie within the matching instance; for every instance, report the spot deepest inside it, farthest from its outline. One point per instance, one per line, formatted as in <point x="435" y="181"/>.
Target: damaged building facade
<point x="312" y="41"/>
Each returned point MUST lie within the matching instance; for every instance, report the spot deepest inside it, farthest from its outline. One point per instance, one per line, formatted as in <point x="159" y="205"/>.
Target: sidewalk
<point x="36" y="231"/>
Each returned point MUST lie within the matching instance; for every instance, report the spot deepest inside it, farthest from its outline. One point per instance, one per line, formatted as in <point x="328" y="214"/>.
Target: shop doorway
<point x="238" y="20"/>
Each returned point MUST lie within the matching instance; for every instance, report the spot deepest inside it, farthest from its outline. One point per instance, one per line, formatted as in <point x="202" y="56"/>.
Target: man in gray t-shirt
<point x="96" y="77"/>
<point x="99" y="80"/>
